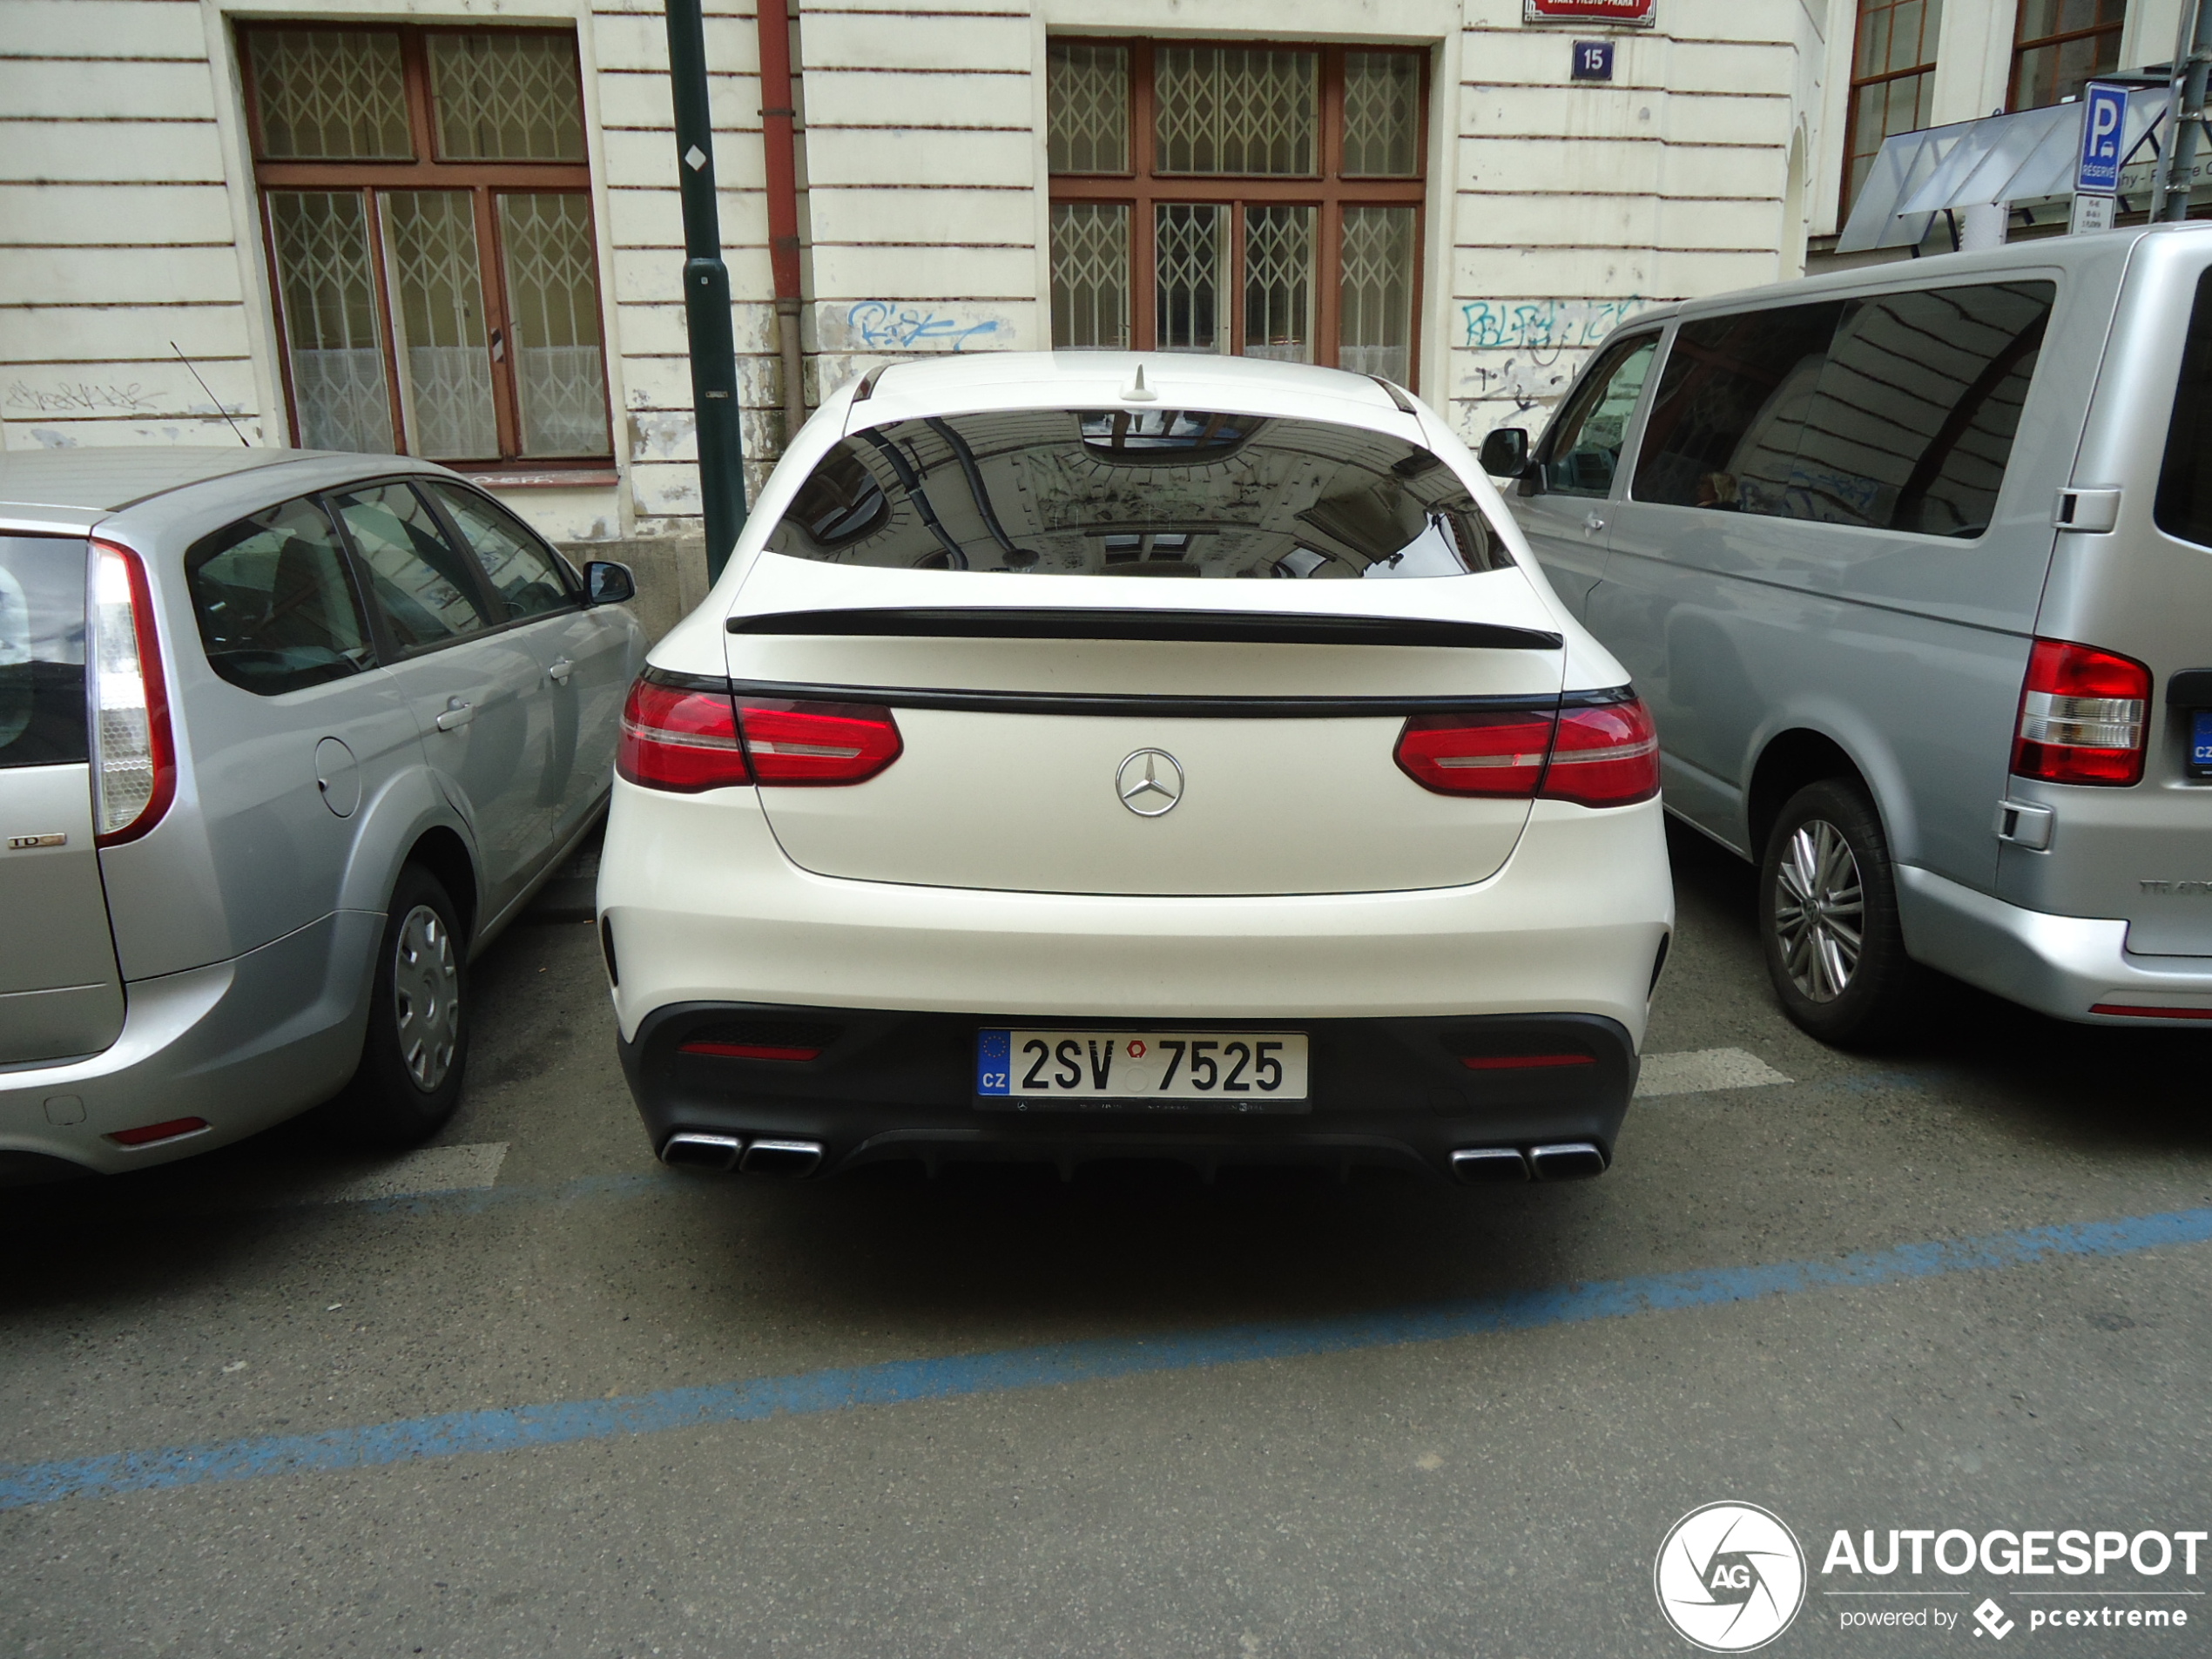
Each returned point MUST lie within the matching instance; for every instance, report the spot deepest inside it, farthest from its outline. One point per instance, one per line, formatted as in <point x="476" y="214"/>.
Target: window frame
<point x="1857" y="84"/>
<point x="1606" y="364"/>
<point x="389" y="650"/>
<point x="485" y="181"/>
<point x="2023" y="44"/>
<point x="1329" y="191"/>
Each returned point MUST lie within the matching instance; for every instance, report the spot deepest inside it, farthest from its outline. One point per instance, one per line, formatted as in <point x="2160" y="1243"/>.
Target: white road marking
<point x="433" y="1169"/>
<point x="1703" y="1069"/>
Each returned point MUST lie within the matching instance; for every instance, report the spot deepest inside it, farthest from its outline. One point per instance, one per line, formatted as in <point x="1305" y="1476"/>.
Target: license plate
<point x="2201" y="744"/>
<point x="1244" y="1072"/>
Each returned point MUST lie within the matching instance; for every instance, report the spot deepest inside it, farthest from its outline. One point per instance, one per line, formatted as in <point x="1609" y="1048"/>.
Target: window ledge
<point x="528" y="477"/>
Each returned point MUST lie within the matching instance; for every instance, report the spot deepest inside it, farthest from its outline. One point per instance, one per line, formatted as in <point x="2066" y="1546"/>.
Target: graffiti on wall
<point x="877" y="325"/>
<point x="1528" y="351"/>
<point x="83" y="397"/>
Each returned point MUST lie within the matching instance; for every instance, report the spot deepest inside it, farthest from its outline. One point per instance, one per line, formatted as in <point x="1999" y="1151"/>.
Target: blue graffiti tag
<point x="1542" y="324"/>
<point x="879" y="325"/>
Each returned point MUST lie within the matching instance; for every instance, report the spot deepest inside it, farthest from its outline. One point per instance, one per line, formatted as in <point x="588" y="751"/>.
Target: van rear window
<point x="1188" y="493"/>
<point x="2184" y="504"/>
<point x="42" y="651"/>
<point x="1895" y="411"/>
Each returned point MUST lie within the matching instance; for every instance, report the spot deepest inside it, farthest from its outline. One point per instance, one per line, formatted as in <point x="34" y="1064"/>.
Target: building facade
<point x="453" y="231"/>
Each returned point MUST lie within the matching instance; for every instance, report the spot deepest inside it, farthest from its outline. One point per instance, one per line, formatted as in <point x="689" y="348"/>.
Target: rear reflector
<point x="2082" y="716"/>
<point x="2133" y="1013"/>
<point x="679" y="739"/>
<point x="748" y="1051"/>
<point x="1602" y="756"/>
<point x="818" y="742"/>
<point x="175" y="1129"/>
<point x="134" y="752"/>
<point x="1522" y="1061"/>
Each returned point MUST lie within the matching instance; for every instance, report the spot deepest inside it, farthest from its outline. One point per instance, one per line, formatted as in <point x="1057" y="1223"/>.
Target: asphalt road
<point x="558" y="1400"/>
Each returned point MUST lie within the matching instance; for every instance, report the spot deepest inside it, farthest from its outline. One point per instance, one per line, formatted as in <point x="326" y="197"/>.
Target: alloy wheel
<point x="1819" y="910"/>
<point x="426" y="997"/>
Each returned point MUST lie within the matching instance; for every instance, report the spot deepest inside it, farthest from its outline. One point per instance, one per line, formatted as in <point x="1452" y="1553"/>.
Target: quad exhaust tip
<point x="1560" y="1161"/>
<point x="696" y="1150"/>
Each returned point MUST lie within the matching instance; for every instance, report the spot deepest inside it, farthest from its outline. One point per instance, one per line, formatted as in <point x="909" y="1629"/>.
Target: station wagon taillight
<point x="793" y="742"/>
<point x="133" y="750"/>
<point x="687" y="738"/>
<point x="1607" y="755"/>
<point x="2084" y="716"/>
<point x="680" y="738"/>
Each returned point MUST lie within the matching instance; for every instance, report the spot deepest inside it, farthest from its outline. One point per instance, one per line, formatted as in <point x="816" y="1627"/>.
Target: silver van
<point x="285" y="738"/>
<point x="1913" y="566"/>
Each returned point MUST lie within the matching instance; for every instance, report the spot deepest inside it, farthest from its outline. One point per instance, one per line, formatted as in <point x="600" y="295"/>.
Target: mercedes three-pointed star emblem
<point x="1150" y="782"/>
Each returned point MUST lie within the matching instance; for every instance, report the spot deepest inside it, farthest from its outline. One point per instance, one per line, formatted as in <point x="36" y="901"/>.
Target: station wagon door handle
<point x="458" y="713"/>
<point x="560" y="670"/>
<point x="1593" y="524"/>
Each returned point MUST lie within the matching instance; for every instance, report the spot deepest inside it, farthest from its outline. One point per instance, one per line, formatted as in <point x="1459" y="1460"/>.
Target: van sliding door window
<point x="2184" y="504"/>
<point x="1893" y="412"/>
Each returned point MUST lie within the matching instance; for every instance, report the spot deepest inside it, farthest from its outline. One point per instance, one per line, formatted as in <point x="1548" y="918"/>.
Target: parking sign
<point x="2104" y="121"/>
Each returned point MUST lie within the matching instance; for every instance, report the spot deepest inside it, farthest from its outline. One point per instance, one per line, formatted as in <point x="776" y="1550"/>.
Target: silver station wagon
<point x="285" y="738"/>
<point x="1913" y="566"/>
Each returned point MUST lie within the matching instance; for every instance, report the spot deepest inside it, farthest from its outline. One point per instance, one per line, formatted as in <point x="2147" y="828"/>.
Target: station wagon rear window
<point x="1163" y="493"/>
<point x="42" y="651"/>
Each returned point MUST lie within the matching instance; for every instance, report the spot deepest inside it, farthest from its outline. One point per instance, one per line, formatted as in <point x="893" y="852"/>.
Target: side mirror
<point x="606" y="582"/>
<point x="1505" y="452"/>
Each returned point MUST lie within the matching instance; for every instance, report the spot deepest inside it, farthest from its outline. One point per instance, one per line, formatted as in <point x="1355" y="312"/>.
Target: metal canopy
<point x="2026" y="157"/>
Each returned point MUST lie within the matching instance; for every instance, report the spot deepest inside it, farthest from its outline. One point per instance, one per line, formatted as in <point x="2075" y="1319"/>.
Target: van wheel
<point x="1827" y="919"/>
<point x="409" y="1080"/>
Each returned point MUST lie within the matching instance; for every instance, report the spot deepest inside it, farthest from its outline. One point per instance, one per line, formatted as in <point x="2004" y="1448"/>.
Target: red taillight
<point x="133" y="750"/>
<point x="2131" y="1011"/>
<point x="1477" y="754"/>
<point x="680" y="738"/>
<point x="175" y="1130"/>
<point x="818" y="742"/>
<point x="748" y="1051"/>
<point x="2083" y="716"/>
<point x="1523" y="1062"/>
<point x="1604" y="757"/>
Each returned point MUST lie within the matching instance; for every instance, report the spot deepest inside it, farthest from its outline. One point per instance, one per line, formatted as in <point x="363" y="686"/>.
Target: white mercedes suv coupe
<point x="1092" y="756"/>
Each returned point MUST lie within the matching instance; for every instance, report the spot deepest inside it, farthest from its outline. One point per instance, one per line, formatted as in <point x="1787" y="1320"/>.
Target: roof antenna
<point x="1138" y="392"/>
<point x="212" y="398"/>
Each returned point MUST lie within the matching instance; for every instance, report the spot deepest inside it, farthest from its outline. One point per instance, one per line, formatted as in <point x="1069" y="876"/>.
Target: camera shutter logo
<point x="1730" y="1577"/>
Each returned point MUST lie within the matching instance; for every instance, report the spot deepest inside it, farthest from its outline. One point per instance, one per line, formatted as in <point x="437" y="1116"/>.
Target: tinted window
<point x="2184" y="506"/>
<point x="42" y="651"/>
<point x="1583" y="451"/>
<point x="520" y="568"/>
<point x="1137" y="493"/>
<point x="276" y="611"/>
<point x="1895" y="412"/>
<point x="419" y="585"/>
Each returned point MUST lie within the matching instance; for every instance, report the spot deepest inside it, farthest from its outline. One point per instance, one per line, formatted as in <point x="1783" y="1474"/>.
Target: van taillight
<point x="1607" y="756"/>
<point x="133" y="749"/>
<point x="680" y="738"/>
<point x="818" y="742"/>
<point x="2083" y="716"/>
<point x="1602" y="756"/>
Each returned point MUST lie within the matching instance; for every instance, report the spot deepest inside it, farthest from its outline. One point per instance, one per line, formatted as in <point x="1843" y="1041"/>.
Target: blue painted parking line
<point x="897" y="1382"/>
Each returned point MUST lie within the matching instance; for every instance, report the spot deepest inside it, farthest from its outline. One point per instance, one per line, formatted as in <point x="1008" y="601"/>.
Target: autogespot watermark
<point x="1730" y="1577"/>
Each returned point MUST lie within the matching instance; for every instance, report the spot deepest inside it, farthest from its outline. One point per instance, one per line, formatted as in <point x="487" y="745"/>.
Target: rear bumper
<point x="2065" y="966"/>
<point x="895" y="1085"/>
<point x="241" y="1044"/>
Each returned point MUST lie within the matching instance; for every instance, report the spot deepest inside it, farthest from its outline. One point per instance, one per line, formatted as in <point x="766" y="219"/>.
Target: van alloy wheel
<point x="1819" y="910"/>
<point x="426" y="997"/>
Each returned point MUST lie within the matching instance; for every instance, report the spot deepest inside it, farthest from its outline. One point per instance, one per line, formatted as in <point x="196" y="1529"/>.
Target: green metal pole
<point x="706" y="293"/>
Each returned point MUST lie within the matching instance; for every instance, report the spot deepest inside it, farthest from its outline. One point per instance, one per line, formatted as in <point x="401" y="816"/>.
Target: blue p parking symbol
<point x="2104" y="122"/>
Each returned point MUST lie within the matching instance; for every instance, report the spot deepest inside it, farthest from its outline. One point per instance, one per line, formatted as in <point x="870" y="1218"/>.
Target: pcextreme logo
<point x="1730" y="1577"/>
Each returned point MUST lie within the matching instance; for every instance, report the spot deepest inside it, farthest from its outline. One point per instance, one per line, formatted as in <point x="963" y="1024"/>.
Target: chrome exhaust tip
<point x="690" y="1150"/>
<point x="782" y="1157"/>
<point x="1566" y="1161"/>
<point x="1488" y="1165"/>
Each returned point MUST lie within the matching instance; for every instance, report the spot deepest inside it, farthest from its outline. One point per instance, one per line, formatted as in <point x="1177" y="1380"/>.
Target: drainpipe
<point x="706" y="293"/>
<point x="778" y="116"/>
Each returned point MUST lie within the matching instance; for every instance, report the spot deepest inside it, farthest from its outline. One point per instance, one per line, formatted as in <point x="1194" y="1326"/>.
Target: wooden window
<point x="1255" y="199"/>
<point x="427" y="208"/>
<point x="1892" y="81"/>
<point x="2060" y="46"/>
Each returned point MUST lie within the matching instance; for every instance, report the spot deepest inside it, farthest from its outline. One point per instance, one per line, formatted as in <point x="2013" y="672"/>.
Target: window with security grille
<point x="1262" y="200"/>
<point x="2060" y="46"/>
<point x="1892" y="81"/>
<point x="427" y="202"/>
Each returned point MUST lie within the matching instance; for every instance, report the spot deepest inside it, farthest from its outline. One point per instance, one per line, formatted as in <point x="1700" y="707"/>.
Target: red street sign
<point x="1630" y="13"/>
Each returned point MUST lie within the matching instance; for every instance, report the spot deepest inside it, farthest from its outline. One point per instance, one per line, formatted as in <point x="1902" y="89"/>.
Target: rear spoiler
<point x="1193" y="627"/>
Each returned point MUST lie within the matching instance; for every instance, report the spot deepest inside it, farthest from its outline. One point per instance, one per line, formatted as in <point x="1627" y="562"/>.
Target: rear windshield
<point x="2184" y="505"/>
<point x="42" y="651"/>
<point x="1136" y="493"/>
